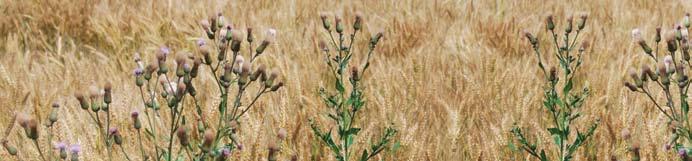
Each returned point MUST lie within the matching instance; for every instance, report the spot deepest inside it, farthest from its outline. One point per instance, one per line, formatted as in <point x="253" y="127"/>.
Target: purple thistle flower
<point x="226" y="152"/>
<point x="682" y="153"/>
<point x="75" y="149"/>
<point x="60" y="145"/>
<point x="165" y="50"/>
<point x="201" y="42"/>
<point x="134" y="114"/>
<point x="112" y="131"/>
<point x="138" y="72"/>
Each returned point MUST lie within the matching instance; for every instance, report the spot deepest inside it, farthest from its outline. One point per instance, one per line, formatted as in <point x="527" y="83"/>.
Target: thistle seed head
<point x="323" y="46"/>
<point x="182" y="134"/>
<point x="582" y="21"/>
<point x="637" y="35"/>
<point x="658" y="35"/>
<point x="282" y="134"/>
<point x="205" y="24"/>
<point x="208" y="140"/>
<point x="236" y="40"/>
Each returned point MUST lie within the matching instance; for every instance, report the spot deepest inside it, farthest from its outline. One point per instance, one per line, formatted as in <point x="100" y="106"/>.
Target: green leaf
<point x="543" y="156"/>
<point x="568" y="86"/>
<point x="340" y="87"/>
<point x="364" y="157"/>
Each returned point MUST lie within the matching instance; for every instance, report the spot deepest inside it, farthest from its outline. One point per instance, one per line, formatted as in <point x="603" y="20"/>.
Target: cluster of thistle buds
<point x="669" y="73"/>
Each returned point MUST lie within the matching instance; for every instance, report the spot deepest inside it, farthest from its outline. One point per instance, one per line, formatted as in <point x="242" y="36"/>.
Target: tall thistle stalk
<point x="670" y="73"/>
<point x="560" y="100"/>
<point x="346" y="103"/>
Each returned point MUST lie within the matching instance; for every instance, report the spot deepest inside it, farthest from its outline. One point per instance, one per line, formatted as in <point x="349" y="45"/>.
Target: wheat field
<point x="451" y="75"/>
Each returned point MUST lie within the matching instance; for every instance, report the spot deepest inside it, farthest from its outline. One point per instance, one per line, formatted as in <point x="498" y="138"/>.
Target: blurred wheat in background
<point x="452" y="76"/>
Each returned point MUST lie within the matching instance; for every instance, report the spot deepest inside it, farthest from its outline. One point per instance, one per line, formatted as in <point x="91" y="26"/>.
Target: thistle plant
<point x="97" y="106"/>
<point x="190" y="133"/>
<point x="346" y="103"/>
<point x="560" y="100"/>
<point x="670" y="78"/>
<point x="32" y="129"/>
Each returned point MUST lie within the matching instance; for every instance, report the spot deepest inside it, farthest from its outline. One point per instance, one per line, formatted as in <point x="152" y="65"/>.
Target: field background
<point x="453" y="76"/>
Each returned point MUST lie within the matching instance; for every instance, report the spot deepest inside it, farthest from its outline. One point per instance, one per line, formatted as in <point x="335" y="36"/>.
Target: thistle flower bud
<point x="682" y="153"/>
<point x="630" y="86"/>
<point x="195" y="67"/>
<point x="180" y="62"/>
<point x="550" y="25"/>
<point x="553" y="74"/>
<point x="53" y="117"/>
<point x="670" y="41"/>
<point x="323" y="46"/>
<point x="533" y="40"/>
<point x="227" y="73"/>
<point x="118" y="138"/>
<point x="634" y="149"/>
<point x="646" y="70"/>
<point x="182" y="88"/>
<point x="236" y="40"/>
<point x="137" y="124"/>
<point x="685" y="33"/>
<point x="10" y="149"/>
<point x="668" y="62"/>
<point x="637" y="81"/>
<point x="244" y="75"/>
<point x="183" y="136"/>
<point x="263" y="45"/>
<point x="220" y="20"/>
<point x="213" y="23"/>
<point x="250" y="36"/>
<point x="625" y="134"/>
<point x="258" y="72"/>
<point x="107" y="95"/>
<point x="225" y="153"/>
<point x="339" y="25"/>
<point x="678" y="32"/>
<point x="205" y="25"/>
<point x="357" y="24"/>
<point x="149" y="70"/>
<point x="582" y="21"/>
<point x="270" y="81"/>
<point x="208" y="140"/>
<point x="31" y="129"/>
<point x="62" y="149"/>
<point x="686" y="20"/>
<point x="273" y="151"/>
<point x="325" y="21"/>
<point x="228" y="35"/>
<point x="658" y="35"/>
<point x="354" y="73"/>
<point x="74" y="150"/>
<point x="663" y="73"/>
<point x="277" y="86"/>
<point x="568" y="29"/>
<point x="375" y="39"/>
<point x="139" y="81"/>
<point x="82" y="101"/>
<point x="239" y="60"/>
